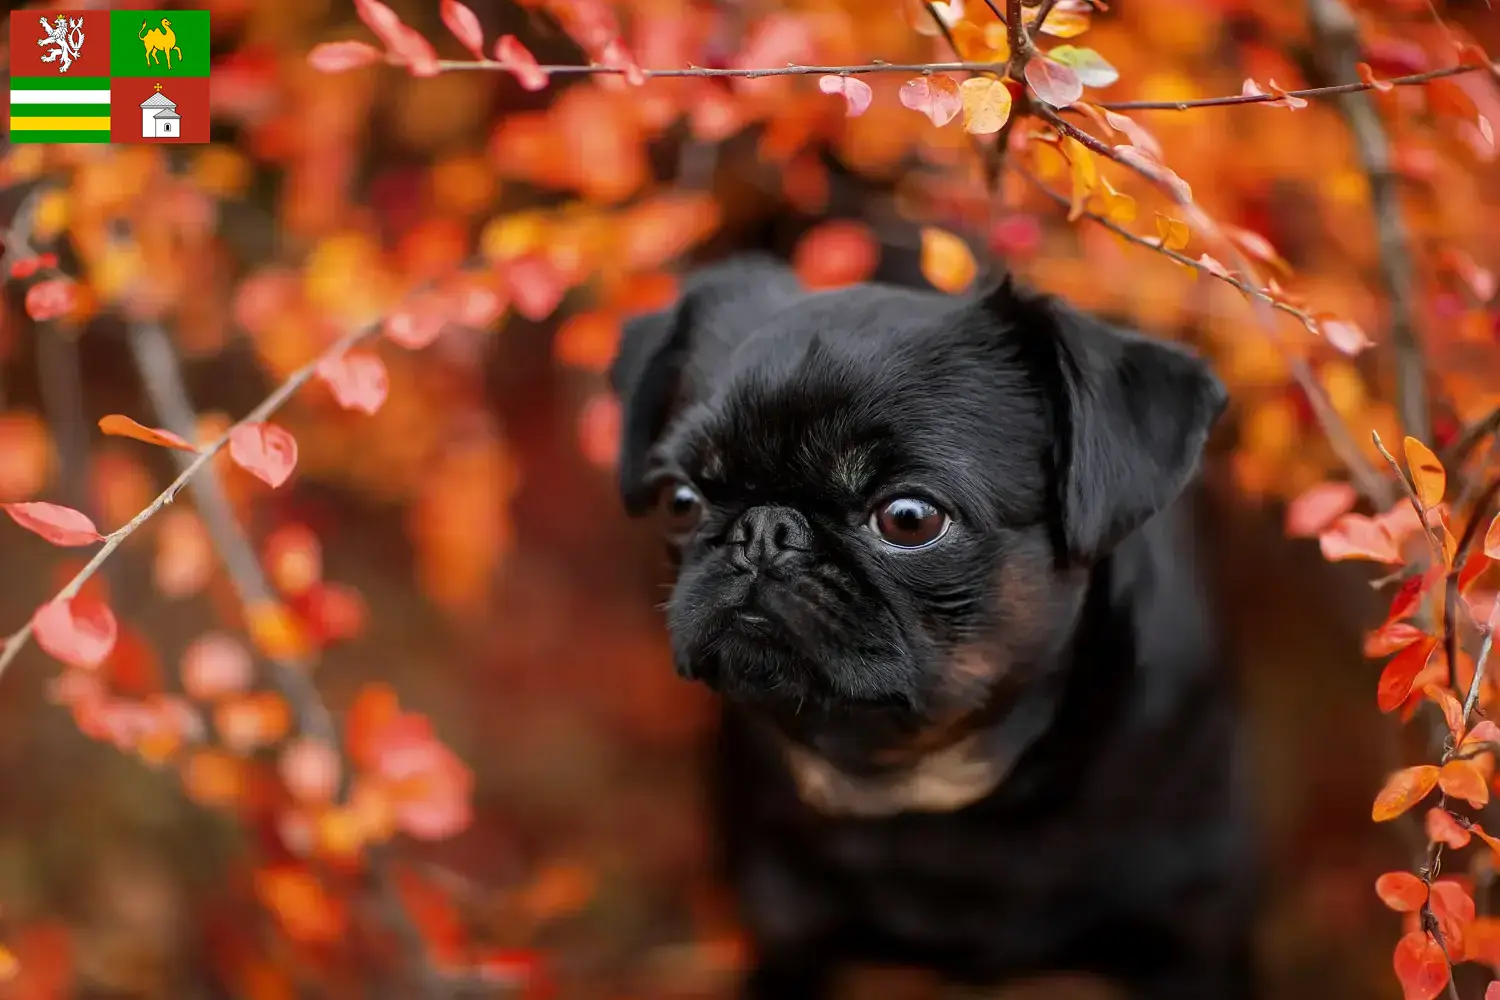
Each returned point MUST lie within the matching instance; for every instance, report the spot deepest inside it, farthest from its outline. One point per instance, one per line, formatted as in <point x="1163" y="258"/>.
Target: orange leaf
<point x="213" y="778"/>
<point x="946" y="260"/>
<point x="1492" y="539"/>
<point x="80" y="632"/>
<point x="836" y="253"/>
<point x="1355" y="536"/>
<point x="294" y="559"/>
<point x="1401" y="672"/>
<point x="986" y="103"/>
<point x="1462" y="779"/>
<point x="275" y="632"/>
<point x="1174" y="234"/>
<point x="1453" y="712"/>
<point x="1442" y="828"/>
<point x="1403" y="790"/>
<point x="1427" y="473"/>
<point x="1401" y="891"/>
<point x="374" y="708"/>
<point x="305" y="909"/>
<point x="1367" y="76"/>
<point x="58" y="525"/>
<point x="118" y="425"/>
<point x="1420" y="966"/>
<point x="252" y="721"/>
<point x="1485" y="731"/>
<point x="266" y="451"/>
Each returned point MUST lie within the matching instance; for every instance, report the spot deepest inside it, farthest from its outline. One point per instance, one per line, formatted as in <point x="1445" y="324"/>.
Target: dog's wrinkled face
<point x="886" y="500"/>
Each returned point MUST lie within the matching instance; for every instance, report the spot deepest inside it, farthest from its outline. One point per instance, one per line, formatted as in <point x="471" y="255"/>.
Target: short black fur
<point x="1057" y="631"/>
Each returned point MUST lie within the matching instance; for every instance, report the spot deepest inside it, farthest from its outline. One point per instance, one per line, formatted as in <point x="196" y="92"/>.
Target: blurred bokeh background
<point x="465" y="544"/>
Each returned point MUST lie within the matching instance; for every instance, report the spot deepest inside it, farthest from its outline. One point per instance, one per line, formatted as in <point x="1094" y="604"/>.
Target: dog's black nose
<point x="768" y="536"/>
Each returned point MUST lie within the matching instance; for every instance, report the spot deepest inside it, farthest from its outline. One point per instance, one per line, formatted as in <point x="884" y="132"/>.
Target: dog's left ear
<point x="651" y="374"/>
<point x="1133" y="416"/>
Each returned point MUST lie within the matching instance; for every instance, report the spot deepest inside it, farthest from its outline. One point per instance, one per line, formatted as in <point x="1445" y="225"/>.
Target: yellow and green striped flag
<point x="59" y="108"/>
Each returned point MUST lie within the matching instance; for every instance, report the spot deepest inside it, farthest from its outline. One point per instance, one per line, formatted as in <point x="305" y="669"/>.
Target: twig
<point x="860" y="69"/>
<point x="1021" y="49"/>
<point x="1337" y="33"/>
<point x="17" y="641"/>
<point x="1366" y="479"/>
<point x="1041" y="14"/>
<point x="1458" y="452"/>
<point x="161" y="372"/>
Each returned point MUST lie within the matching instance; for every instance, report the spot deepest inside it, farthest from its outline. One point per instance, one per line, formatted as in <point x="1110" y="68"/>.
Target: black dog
<point x="935" y="554"/>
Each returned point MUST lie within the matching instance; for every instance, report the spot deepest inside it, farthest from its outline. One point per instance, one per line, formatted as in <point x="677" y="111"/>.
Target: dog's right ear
<point x="719" y="304"/>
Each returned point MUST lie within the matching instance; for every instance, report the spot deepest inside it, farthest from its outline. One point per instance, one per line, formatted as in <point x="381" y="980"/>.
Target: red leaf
<point x="1053" y="82"/>
<point x="266" y="451"/>
<point x="405" y="45"/>
<point x="514" y="56"/>
<point x="1318" y="507"/>
<point x="615" y="55"/>
<point x="857" y="93"/>
<point x="1401" y="672"/>
<point x="417" y="324"/>
<point x="1408" y="598"/>
<point x="80" y="632"/>
<point x="1367" y="76"/>
<point x="358" y="379"/>
<point x="1442" y="828"/>
<point x="1401" y="891"/>
<point x="535" y="286"/>
<point x="1454" y="910"/>
<point x="1390" y="638"/>
<point x="1403" y="790"/>
<point x="59" y="525"/>
<point x="337" y="57"/>
<point x="1420" y="966"/>
<point x="1492" y="991"/>
<point x="935" y="96"/>
<point x="50" y="299"/>
<point x="465" y="26"/>
<point x="118" y="425"/>
<point x="1355" y="536"/>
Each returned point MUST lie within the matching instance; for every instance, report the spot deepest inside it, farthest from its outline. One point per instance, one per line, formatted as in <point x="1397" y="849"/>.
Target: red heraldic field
<point x="59" y="76"/>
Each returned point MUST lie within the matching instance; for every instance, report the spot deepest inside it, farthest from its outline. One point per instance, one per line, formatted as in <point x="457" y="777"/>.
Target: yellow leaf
<point x="53" y="210"/>
<point x="1112" y="205"/>
<point x="1065" y="24"/>
<point x="1173" y="232"/>
<point x="1048" y="163"/>
<point x="510" y="236"/>
<point x="976" y="44"/>
<point x="986" y="104"/>
<point x="1085" y="174"/>
<point x="1427" y="473"/>
<point x="947" y="261"/>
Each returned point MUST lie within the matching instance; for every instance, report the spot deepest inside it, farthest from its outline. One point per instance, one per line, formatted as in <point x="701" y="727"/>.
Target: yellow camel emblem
<point x="159" y="40"/>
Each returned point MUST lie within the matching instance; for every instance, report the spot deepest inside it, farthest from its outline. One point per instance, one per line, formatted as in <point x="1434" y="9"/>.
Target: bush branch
<point x="1366" y="479"/>
<point x="1337" y="34"/>
<point x="195" y="464"/>
<point x="161" y="372"/>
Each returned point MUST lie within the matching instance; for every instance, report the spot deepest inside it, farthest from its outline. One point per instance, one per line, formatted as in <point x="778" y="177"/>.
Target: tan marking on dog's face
<point x="942" y="781"/>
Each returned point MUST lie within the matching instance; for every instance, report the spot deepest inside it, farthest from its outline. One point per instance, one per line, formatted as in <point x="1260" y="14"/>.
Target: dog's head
<point x="885" y="500"/>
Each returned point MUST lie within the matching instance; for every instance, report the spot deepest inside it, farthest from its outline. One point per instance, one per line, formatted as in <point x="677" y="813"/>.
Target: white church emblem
<point x="66" y="40"/>
<point x="159" y="118"/>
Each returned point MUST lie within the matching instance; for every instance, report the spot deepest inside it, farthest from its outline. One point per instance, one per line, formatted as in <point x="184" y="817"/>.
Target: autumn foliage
<point x="1302" y="189"/>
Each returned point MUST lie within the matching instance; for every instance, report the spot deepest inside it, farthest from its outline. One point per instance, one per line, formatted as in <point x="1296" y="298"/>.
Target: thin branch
<point x="1021" y="48"/>
<point x="1458" y="453"/>
<point x="161" y="372"/>
<point x="1041" y="14"/>
<point x="1337" y="33"/>
<point x="1366" y="479"/>
<point x="17" y="641"/>
<point x="861" y="69"/>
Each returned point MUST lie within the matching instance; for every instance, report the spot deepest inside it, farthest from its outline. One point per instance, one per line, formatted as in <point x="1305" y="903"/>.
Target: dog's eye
<point x="681" y="508"/>
<point x="909" y="523"/>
